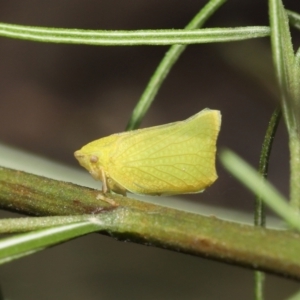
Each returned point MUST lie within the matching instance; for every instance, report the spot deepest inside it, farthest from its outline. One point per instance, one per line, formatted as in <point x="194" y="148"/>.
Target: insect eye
<point x="93" y="158"/>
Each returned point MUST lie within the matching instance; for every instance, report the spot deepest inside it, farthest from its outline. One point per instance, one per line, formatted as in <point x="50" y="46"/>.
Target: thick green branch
<point x="263" y="249"/>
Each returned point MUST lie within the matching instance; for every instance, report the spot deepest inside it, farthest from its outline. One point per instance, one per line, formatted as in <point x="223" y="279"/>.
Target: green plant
<point x="133" y="220"/>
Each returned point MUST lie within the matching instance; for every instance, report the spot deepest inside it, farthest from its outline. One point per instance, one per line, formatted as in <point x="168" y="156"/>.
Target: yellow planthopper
<point x="175" y="158"/>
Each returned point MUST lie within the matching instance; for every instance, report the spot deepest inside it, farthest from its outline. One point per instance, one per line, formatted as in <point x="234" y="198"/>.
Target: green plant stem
<point x="259" y="284"/>
<point x="260" y="216"/>
<point x="163" y="69"/>
<point x="149" y="224"/>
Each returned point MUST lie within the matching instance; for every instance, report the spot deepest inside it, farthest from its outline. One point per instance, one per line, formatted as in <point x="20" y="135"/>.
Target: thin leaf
<point x="288" y="76"/>
<point x="163" y="69"/>
<point x="283" y="56"/>
<point x="253" y="181"/>
<point x="296" y="296"/>
<point x="294" y="18"/>
<point x="131" y="38"/>
<point x="17" y="225"/>
<point x="24" y="244"/>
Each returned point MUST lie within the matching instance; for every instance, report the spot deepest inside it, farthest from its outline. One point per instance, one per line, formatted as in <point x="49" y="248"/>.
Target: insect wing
<point x="175" y="158"/>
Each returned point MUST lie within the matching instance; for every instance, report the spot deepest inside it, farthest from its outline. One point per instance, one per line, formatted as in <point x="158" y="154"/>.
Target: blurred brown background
<point x="56" y="98"/>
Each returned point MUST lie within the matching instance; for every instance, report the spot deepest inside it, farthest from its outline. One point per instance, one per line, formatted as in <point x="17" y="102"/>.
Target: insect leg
<point x="104" y="182"/>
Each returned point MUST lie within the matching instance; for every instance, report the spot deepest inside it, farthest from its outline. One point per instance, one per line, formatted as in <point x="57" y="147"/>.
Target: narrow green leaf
<point x="288" y="76"/>
<point x="25" y="224"/>
<point x="283" y="57"/>
<point x="131" y="38"/>
<point x="28" y="243"/>
<point x="253" y="181"/>
<point x="294" y="18"/>
<point x="296" y="296"/>
<point x="163" y="69"/>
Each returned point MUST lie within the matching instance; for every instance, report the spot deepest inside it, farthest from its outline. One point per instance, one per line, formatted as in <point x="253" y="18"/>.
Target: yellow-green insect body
<point x="175" y="158"/>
